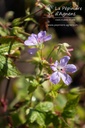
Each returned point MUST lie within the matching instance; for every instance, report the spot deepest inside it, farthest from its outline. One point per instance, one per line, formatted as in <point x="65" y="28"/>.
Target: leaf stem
<point x="65" y="122"/>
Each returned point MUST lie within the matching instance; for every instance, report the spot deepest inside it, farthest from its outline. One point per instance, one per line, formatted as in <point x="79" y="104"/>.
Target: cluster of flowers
<point x="60" y="70"/>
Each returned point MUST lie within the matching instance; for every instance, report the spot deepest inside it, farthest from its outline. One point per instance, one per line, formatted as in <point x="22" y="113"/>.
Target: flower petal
<point x="32" y="50"/>
<point x="54" y="66"/>
<point x="64" y="60"/>
<point x="66" y="78"/>
<point x="71" y="68"/>
<point x="34" y="39"/>
<point x="41" y="34"/>
<point x="56" y="63"/>
<point x="40" y="37"/>
<point x="34" y="35"/>
<point x="29" y="43"/>
<point x="46" y="38"/>
<point x="31" y="40"/>
<point x="55" y="78"/>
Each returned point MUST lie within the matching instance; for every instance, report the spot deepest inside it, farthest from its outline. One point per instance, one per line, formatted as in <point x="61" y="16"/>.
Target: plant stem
<point x="60" y="6"/>
<point x="51" y="52"/>
<point x="6" y="89"/>
<point x="32" y="14"/>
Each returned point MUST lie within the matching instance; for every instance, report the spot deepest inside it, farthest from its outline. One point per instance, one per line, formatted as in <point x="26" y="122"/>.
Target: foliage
<point x="38" y="101"/>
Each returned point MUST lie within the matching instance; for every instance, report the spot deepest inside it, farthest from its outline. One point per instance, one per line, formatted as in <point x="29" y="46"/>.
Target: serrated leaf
<point x="7" y="68"/>
<point x="45" y="106"/>
<point x="37" y="117"/>
<point x="10" y="48"/>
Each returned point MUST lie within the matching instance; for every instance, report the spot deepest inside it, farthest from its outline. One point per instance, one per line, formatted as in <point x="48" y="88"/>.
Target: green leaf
<point x="33" y="116"/>
<point x="60" y="102"/>
<point x="3" y="32"/>
<point x="45" y="106"/>
<point x="31" y="19"/>
<point x="7" y="67"/>
<point x="5" y="39"/>
<point x="74" y="91"/>
<point x="37" y="117"/>
<point x="16" y="119"/>
<point x="40" y="119"/>
<point x="10" y="48"/>
<point x="32" y="82"/>
<point x="70" y="108"/>
<point x="17" y="22"/>
<point x="52" y="118"/>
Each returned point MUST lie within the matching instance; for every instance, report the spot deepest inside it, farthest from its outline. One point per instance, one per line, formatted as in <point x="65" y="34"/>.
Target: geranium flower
<point x="61" y="69"/>
<point x="37" y="40"/>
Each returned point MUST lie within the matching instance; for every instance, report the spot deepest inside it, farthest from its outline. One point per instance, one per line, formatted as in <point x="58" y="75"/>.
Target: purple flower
<point x="37" y="39"/>
<point x="32" y="50"/>
<point x="61" y="69"/>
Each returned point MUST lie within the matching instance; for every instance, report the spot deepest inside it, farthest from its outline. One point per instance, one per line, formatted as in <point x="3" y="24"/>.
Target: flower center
<point x="61" y="69"/>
